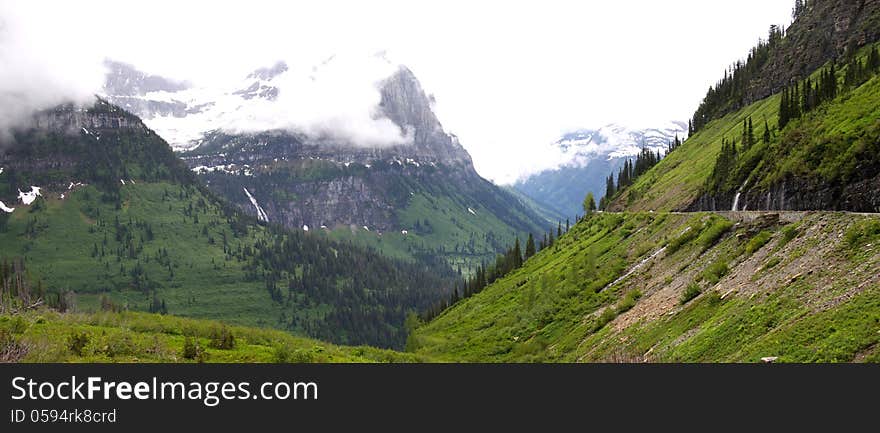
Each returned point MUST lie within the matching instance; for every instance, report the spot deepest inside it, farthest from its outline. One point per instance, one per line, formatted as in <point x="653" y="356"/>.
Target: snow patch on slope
<point x="228" y="168"/>
<point x="28" y="197"/>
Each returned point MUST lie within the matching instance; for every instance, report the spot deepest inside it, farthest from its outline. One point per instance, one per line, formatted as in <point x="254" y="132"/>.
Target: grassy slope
<point x="204" y="283"/>
<point x="436" y="195"/>
<point x="679" y="178"/>
<point x="807" y="291"/>
<point x="141" y="337"/>
<point x="463" y="239"/>
<point x="811" y="295"/>
<point x="829" y="143"/>
<point x="826" y="145"/>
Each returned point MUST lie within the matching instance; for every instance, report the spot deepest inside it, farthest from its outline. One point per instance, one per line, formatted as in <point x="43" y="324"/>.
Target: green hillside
<point x="460" y="219"/>
<point x="679" y="287"/>
<point x="442" y="225"/>
<point x="170" y="248"/>
<point x="833" y="147"/>
<point x="49" y="336"/>
<point x="121" y="220"/>
<point x="795" y="126"/>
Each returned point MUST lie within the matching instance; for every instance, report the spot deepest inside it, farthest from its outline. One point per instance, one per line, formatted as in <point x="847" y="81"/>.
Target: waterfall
<point x="261" y="214"/>
<point x="738" y="193"/>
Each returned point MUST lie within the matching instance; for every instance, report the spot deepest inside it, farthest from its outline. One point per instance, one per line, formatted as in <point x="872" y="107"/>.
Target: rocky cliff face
<point x="798" y="195"/>
<point x="73" y="119"/>
<point x="300" y="180"/>
<point x="405" y="103"/>
<point x="128" y="87"/>
<point x="827" y="29"/>
<point x="100" y="144"/>
<point x="314" y="179"/>
<point x="125" y="80"/>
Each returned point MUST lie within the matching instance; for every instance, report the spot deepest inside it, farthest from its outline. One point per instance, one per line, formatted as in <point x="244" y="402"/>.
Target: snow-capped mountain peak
<point x="326" y="100"/>
<point x="586" y="157"/>
<point x="616" y="141"/>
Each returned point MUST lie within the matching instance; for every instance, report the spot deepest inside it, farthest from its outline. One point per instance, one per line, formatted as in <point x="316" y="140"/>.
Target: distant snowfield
<point x="578" y="148"/>
<point x="618" y="141"/>
<point x="5" y="208"/>
<point x="211" y="109"/>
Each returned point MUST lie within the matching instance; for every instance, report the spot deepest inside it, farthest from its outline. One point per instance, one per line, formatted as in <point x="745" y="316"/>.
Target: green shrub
<point x="282" y="354"/>
<point x="607" y="315"/>
<point x="788" y="234"/>
<point x="222" y="339"/>
<point x="690" y="292"/>
<point x="758" y="242"/>
<point x="643" y="248"/>
<point x="675" y="244"/>
<point x="120" y="346"/>
<point x="713" y="298"/>
<point x="532" y="347"/>
<point x="716" y="271"/>
<point x="302" y="356"/>
<point x="628" y="301"/>
<point x="193" y="350"/>
<point x="18" y="325"/>
<point x="772" y="262"/>
<point x="862" y="232"/>
<point x="711" y="235"/>
<point x="77" y="342"/>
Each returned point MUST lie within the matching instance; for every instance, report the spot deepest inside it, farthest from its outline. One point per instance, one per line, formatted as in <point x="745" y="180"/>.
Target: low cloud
<point x="40" y="66"/>
<point x="338" y="99"/>
<point x="47" y="59"/>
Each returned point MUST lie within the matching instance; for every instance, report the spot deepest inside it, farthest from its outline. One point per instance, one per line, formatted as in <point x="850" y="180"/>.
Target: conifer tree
<point x="784" y="115"/>
<point x="805" y="98"/>
<point x="751" y="133"/>
<point x="873" y="59"/>
<point x="530" y="247"/>
<point x="609" y="187"/>
<point x="589" y="204"/>
<point x="766" y="132"/>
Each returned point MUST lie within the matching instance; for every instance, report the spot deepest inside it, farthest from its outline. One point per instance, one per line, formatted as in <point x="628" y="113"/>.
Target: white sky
<point x="509" y="77"/>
